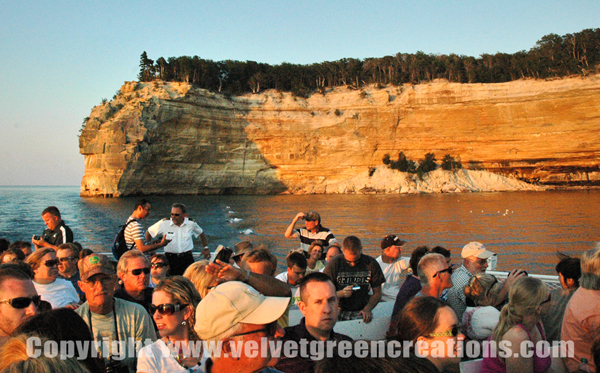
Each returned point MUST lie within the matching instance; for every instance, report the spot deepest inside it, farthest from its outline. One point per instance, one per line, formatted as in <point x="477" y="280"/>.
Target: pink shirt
<point x="580" y="325"/>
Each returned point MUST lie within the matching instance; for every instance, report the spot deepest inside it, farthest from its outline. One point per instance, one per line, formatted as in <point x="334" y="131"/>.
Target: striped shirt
<point x="307" y="237"/>
<point x="134" y="231"/>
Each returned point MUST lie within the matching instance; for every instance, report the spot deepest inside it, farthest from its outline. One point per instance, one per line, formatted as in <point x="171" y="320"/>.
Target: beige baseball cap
<point x="94" y="264"/>
<point x="232" y="303"/>
<point x="476" y="249"/>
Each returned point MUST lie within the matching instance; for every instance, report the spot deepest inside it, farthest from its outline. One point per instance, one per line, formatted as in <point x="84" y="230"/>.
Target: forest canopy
<point x="553" y="56"/>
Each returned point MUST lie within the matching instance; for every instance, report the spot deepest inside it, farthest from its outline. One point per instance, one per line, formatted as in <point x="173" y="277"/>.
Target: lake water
<point x="524" y="228"/>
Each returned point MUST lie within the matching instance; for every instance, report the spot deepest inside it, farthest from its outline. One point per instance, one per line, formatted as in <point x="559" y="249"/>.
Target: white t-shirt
<point x="182" y="235"/>
<point x="283" y="276"/>
<point x="59" y="293"/>
<point x="157" y="358"/>
<point x="392" y="272"/>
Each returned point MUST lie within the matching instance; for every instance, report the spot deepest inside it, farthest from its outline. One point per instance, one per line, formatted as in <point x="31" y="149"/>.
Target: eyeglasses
<point x="23" y="302"/>
<point x="157" y="265"/>
<point x="449" y="270"/>
<point x="449" y="333"/>
<point x="481" y="261"/>
<point x="167" y="309"/>
<point x="137" y="272"/>
<point x="270" y="330"/>
<point x="51" y="263"/>
<point x="547" y="300"/>
<point x="66" y="258"/>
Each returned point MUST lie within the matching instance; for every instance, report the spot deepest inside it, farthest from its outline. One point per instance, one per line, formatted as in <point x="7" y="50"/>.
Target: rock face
<point x="171" y="138"/>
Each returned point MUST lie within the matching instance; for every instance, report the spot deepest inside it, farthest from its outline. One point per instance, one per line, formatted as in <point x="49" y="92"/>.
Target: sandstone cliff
<point x="171" y="138"/>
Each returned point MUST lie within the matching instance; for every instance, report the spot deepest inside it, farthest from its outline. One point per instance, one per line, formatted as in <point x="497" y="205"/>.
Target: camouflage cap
<point x="94" y="264"/>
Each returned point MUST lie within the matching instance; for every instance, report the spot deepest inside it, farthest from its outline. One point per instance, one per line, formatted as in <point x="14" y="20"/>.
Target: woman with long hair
<point x="173" y="308"/>
<point x="519" y="325"/>
<point x="314" y="263"/>
<point x="431" y="325"/>
<point x="480" y="317"/>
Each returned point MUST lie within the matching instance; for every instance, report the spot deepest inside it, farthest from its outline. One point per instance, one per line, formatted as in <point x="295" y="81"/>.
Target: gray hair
<point x="426" y="265"/>
<point x="125" y="258"/>
<point x="590" y="269"/>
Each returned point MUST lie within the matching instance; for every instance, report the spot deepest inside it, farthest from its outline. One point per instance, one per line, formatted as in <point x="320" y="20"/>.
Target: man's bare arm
<point x="289" y="232"/>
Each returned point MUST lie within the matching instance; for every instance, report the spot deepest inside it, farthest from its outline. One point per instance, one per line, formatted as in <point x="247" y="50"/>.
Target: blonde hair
<point x="14" y="358"/>
<point x="480" y="287"/>
<point x="197" y="274"/>
<point x="35" y="259"/>
<point x="183" y="292"/>
<point x="590" y="269"/>
<point x="525" y="296"/>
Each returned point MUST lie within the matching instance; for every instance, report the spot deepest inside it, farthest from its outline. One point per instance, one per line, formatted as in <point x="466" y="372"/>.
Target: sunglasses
<point x="137" y="272"/>
<point x="449" y="270"/>
<point x="51" y="263"/>
<point x="157" y="265"/>
<point x="175" y="215"/>
<point x="66" y="258"/>
<point x="270" y="330"/>
<point x="449" y="333"/>
<point x="23" y="302"/>
<point x="166" y="308"/>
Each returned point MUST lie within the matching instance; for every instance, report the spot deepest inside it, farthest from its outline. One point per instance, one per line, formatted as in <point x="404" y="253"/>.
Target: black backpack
<point x="119" y="246"/>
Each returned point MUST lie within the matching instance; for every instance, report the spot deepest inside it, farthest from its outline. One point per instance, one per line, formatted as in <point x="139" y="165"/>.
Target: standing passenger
<point x="312" y="232"/>
<point x="180" y="231"/>
<point x="134" y="232"/>
<point x="57" y="231"/>
<point x="109" y="318"/>
<point x="352" y="270"/>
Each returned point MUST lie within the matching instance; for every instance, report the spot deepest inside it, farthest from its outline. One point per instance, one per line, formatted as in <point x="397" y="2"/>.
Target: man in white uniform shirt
<point x="392" y="266"/>
<point x="180" y="230"/>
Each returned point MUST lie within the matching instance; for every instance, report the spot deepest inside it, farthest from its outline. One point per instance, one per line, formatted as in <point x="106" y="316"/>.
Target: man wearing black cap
<point x="392" y="266"/>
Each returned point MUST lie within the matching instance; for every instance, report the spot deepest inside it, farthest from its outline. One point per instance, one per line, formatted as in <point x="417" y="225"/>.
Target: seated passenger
<point x="410" y="287"/>
<point x="480" y="318"/>
<point x="133" y="270"/>
<point x="57" y="291"/>
<point x="435" y="275"/>
<point x="24" y="246"/>
<point x="520" y="321"/>
<point x="202" y="280"/>
<point x="319" y="305"/>
<point x="173" y="308"/>
<point x="11" y="255"/>
<point x="569" y="271"/>
<point x="581" y="322"/>
<point x="314" y="262"/>
<point x="159" y="269"/>
<point x="392" y="266"/>
<point x="236" y="312"/>
<point x="353" y="273"/>
<point x="296" y="270"/>
<point x="431" y="325"/>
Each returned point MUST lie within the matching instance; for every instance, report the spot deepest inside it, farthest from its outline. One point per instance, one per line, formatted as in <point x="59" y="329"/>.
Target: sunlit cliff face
<point x="172" y="138"/>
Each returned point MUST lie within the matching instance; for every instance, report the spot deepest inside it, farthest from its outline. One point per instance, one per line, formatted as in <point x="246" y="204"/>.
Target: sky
<point x="60" y="58"/>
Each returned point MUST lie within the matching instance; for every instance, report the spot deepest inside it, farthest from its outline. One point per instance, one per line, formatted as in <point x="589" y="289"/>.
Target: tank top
<point x="496" y="365"/>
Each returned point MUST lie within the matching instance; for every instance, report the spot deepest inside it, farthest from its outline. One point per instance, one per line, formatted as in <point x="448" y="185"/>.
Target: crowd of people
<point x="230" y="312"/>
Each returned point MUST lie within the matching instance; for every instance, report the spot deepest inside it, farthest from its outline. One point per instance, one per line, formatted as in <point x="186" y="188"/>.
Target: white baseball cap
<point x="476" y="249"/>
<point x="232" y="303"/>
